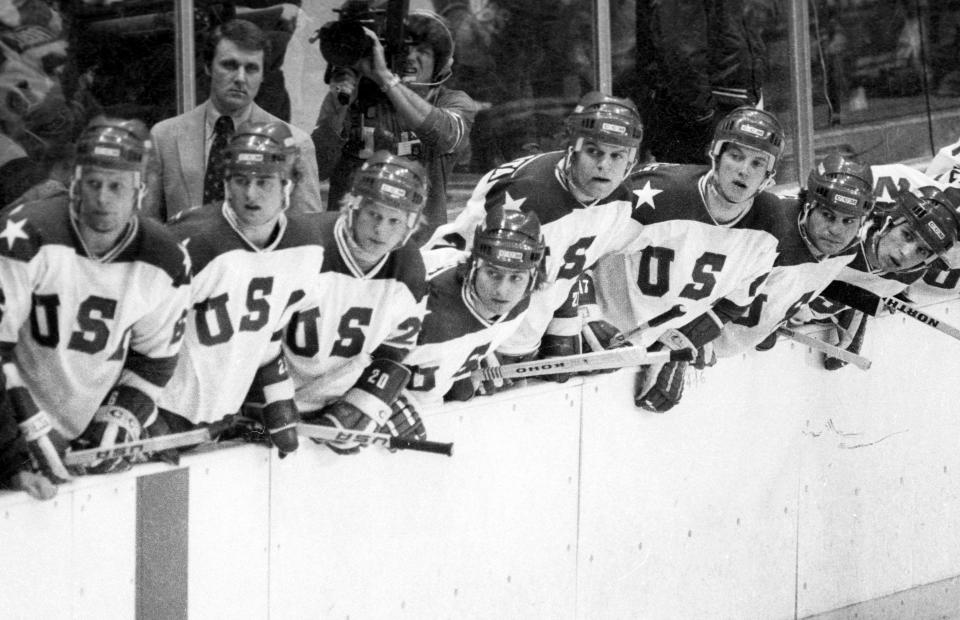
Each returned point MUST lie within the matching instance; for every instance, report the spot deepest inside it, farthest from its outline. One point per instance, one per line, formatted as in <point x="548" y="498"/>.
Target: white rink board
<point x="421" y="535"/>
<point x="561" y="501"/>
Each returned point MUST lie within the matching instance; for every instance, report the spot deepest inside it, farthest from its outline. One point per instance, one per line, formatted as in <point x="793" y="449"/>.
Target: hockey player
<point x="345" y="357"/>
<point x="475" y="301"/>
<point x="254" y="266"/>
<point x="828" y="215"/>
<point x="578" y="196"/>
<point x="94" y="305"/>
<point x="897" y="247"/>
<point x="709" y="241"/>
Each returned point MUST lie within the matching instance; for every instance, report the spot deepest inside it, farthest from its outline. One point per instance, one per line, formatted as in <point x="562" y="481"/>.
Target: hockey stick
<point x="895" y="304"/>
<point x="598" y="360"/>
<point x="134" y="448"/>
<point x="869" y="303"/>
<point x="385" y="440"/>
<point x="841" y="354"/>
<point x="660" y="319"/>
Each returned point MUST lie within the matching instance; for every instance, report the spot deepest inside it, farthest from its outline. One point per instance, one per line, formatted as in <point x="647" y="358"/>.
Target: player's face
<point x="741" y="171"/>
<point x="235" y="76"/>
<point x="831" y="231"/>
<point x="900" y="248"/>
<point x="419" y="64"/>
<point x="378" y="229"/>
<point x="256" y="199"/>
<point x="500" y="289"/>
<point x="107" y="198"/>
<point x="597" y="169"/>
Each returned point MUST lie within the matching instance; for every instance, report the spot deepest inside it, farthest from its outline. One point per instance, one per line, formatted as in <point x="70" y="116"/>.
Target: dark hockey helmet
<point x="509" y="238"/>
<point x="260" y="147"/>
<point x="932" y="216"/>
<point x="605" y="120"/>
<point x="750" y="127"/>
<point x="392" y="181"/>
<point x="114" y="143"/>
<point x="841" y="184"/>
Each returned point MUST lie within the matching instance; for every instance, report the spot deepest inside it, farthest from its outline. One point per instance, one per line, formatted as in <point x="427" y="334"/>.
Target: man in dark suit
<point x="188" y="145"/>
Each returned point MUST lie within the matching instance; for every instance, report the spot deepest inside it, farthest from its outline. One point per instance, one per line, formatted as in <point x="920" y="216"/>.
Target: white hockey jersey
<point x="796" y="279"/>
<point x="242" y="299"/>
<point x="361" y="316"/>
<point x="455" y="336"/>
<point x="577" y="235"/>
<point x="76" y="326"/>
<point x="685" y="257"/>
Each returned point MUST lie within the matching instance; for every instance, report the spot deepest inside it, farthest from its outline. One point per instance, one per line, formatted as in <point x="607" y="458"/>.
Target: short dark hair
<point x="244" y="34"/>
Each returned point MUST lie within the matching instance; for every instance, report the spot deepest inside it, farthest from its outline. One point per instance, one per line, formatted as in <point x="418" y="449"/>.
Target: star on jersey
<point x="13" y="231"/>
<point x="646" y="195"/>
<point x="512" y="204"/>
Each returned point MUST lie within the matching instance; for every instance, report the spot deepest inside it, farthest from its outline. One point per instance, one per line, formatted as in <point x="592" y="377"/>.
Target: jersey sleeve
<point x="403" y="337"/>
<point x="16" y="293"/>
<point x="156" y="337"/>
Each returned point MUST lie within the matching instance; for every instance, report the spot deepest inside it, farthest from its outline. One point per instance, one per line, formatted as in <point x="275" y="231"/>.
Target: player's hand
<point x="405" y="421"/>
<point x="111" y="425"/>
<point x="46" y="447"/>
<point x="706" y="357"/>
<point x="600" y="335"/>
<point x="34" y="484"/>
<point x="552" y="345"/>
<point x="280" y="420"/>
<point x="376" y="63"/>
<point x="344" y="416"/>
<point x="660" y="386"/>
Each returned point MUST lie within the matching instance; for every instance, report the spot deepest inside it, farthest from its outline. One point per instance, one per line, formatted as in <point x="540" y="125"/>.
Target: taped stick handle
<point x="660" y="319"/>
<point x="436" y="447"/>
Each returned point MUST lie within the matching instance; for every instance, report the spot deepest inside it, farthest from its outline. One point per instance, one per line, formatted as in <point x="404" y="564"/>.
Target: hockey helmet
<point x="510" y="238"/>
<point x="113" y="143"/>
<point x="932" y="216"/>
<point x="750" y="127"/>
<point x="392" y="181"/>
<point x="605" y="120"/>
<point x="842" y="185"/>
<point x="260" y="147"/>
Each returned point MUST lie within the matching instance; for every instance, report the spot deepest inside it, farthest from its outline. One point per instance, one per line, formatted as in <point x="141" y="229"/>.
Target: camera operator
<point x="369" y="107"/>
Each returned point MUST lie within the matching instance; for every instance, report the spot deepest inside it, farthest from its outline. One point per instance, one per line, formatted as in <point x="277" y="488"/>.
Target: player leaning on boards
<point x="709" y="240"/>
<point x="585" y="212"/>
<point x="94" y="305"/>
<point x="345" y="356"/>
<point x="821" y="241"/>
<point x="475" y="301"/>
<point x="898" y="244"/>
<point x="254" y="264"/>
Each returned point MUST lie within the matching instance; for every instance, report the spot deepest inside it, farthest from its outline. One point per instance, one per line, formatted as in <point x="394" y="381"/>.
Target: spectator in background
<point x="697" y="60"/>
<point x="191" y="171"/>
<point x="412" y="115"/>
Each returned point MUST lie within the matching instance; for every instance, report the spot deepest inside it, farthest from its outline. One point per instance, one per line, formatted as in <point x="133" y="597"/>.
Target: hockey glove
<point x="552" y="345"/>
<point x="405" y="421"/>
<point x="121" y="419"/>
<point x="851" y="325"/>
<point x="280" y="419"/>
<point x="660" y="387"/>
<point x="368" y="404"/>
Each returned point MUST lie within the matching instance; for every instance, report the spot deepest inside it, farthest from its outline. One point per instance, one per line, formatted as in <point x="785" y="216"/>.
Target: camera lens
<point x="344" y="43"/>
